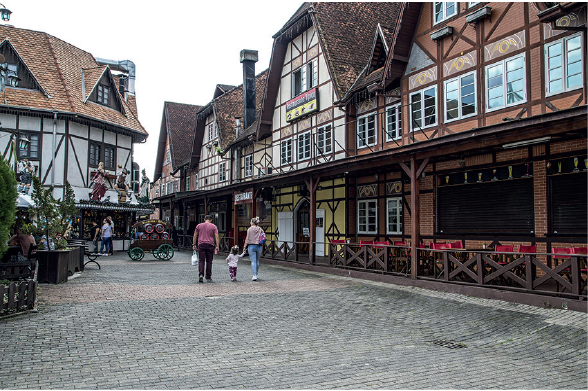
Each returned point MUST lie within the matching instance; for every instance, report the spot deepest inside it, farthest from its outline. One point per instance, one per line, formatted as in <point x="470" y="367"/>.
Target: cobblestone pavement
<point x="151" y="325"/>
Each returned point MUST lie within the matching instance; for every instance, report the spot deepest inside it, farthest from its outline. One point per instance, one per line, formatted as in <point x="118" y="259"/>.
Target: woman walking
<point x="254" y="233"/>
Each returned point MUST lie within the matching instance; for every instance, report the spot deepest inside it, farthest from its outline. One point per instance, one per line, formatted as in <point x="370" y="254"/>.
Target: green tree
<point x="8" y="195"/>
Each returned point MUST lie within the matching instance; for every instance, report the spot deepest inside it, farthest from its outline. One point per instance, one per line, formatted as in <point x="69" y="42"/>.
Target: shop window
<point x="563" y="65"/>
<point x="367" y="216"/>
<point x="366" y="130"/>
<point x="460" y="97"/>
<point x="505" y="83"/>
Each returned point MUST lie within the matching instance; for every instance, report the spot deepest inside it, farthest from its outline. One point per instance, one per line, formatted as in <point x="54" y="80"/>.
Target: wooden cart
<point x="151" y="236"/>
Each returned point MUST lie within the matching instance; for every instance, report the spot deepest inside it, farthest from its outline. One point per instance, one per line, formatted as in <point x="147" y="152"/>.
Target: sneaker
<point x="201" y="279"/>
<point x="233" y="279"/>
<point x="254" y="278"/>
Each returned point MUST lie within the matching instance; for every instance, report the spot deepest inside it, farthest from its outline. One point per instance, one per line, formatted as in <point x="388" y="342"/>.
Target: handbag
<point x="195" y="258"/>
<point x="262" y="237"/>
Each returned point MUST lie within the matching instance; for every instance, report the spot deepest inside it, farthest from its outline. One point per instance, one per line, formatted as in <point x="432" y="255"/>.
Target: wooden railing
<point x="17" y="297"/>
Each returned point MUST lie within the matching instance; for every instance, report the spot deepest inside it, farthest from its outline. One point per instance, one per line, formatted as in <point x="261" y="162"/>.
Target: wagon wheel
<point x="165" y="252"/>
<point x="136" y="254"/>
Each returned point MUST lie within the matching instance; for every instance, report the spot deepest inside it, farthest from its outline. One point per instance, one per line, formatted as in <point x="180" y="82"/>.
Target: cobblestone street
<point x="151" y="325"/>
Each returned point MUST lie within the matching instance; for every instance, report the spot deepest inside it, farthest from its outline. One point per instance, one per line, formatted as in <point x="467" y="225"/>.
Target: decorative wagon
<point x="151" y="236"/>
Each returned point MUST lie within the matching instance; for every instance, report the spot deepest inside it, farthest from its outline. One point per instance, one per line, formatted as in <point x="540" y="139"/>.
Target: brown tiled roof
<point x="178" y="124"/>
<point x="230" y="105"/>
<point x="57" y="66"/>
<point x="347" y="31"/>
<point x="91" y="77"/>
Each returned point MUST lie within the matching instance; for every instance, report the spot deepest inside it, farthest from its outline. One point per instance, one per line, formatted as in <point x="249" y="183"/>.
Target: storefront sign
<point x="302" y="105"/>
<point x="245" y="197"/>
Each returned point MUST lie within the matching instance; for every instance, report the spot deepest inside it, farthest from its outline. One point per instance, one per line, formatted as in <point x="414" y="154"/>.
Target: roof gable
<point x="106" y="78"/>
<point x="24" y="73"/>
<point x="379" y="50"/>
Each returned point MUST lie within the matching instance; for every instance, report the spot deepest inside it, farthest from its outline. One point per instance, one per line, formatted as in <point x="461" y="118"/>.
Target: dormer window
<point x="11" y="76"/>
<point x="103" y="95"/>
<point x="304" y="78"/>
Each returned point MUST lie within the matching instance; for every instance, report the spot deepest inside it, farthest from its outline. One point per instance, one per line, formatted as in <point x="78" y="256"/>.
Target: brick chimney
<point x="248" y="59"/>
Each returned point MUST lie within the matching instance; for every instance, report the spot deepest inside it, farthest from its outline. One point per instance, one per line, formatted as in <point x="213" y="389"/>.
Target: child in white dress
<point x="232" y="260"/>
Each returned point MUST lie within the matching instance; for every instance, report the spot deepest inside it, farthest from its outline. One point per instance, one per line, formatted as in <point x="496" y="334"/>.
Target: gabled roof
<point x="346" y="33"/>
<point x="10" y="47"/>
<point x="57" y="66"/>
<point x="221" y="89"/>
<point x="178" y="125"/>
<point x="106" y="74"/>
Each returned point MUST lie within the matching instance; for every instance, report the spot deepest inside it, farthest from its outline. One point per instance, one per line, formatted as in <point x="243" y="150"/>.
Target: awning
<point x="24" y="201"/>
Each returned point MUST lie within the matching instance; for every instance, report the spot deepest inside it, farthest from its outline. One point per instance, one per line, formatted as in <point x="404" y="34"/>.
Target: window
<point x="324" y="140"/>
<point x="196" y="182"/>
<point x="167" y="158"/>
<point x="367" y="216"/>
<point x="304" y="146"/>
<point x="393" y="123"/>
<point x="170" y="188"/>
<point x="248" y="165"/>
<point x="188" y="183"/>
<point x="505" y="83"/>
<point x="304" y="78"/>
<point x="103" y="95"/>
<point x="176" y="186"/>
<point x="423" y="109"/>
<point x="286" y="152"/>
<point x="444" y="10"/>
<point x="366" y="130"/>
<point x="563" y="63"/>
<point x="393" y="213"/>
<point x="32" y="151"/>
<point x="11" y="71"/>
<point x="473" y="4"/>
<point x="109" y="158"/>
<point x="460" y="97"/>
<point x="210" y="131"/>
<point x="94" y="154"/>
<point x="222" y="175"/>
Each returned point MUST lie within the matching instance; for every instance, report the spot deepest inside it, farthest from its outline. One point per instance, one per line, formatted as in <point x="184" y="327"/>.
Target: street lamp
<point x="5" y="13"/>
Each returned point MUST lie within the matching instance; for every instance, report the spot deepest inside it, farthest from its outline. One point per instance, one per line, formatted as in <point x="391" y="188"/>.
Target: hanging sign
<point x="302" y="105"/>
<point x="244" y="197"/>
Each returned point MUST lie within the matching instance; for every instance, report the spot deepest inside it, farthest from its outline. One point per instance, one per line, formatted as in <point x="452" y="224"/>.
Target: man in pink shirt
<point x="206" y="241"/>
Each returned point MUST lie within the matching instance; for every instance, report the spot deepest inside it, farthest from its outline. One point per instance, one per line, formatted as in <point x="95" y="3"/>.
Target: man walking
<point x="206" y="241"/>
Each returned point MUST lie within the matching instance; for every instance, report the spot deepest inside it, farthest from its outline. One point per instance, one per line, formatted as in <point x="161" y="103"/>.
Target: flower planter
<point x="56" y="265"/>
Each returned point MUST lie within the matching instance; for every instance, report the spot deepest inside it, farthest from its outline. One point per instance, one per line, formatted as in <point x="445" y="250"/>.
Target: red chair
<point x="509" y="248"/>
<point x="366" y="242"/>
<point x="399" y="242"/>
<point x="562" y="251"/>
<point x="381" y="243"/>
<point x="528" y="249"/>
<point x="338" y="241"/>
<point x="438" y="246"/>
<point x="457" y="244"/>
<point x="580" y="250"/>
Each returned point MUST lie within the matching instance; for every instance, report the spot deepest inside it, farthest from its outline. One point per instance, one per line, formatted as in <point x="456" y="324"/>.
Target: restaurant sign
<point x="245" y="197"/>
<point x="302" y="105"/>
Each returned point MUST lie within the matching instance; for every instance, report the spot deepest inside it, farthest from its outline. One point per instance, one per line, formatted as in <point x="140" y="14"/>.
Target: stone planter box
<point x="55" y="266"/>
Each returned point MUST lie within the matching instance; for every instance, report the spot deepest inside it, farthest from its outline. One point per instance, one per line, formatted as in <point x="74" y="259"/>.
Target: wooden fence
<point x="17" y="297"/>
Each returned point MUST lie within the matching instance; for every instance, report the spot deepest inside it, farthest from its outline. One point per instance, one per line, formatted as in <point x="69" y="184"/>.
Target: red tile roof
<point x="57" y="66"/>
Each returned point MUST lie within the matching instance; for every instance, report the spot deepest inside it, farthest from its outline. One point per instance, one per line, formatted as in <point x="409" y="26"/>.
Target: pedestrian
<point x="206" y="241"/>
<point x="232" y="260"/>
<point x="110" y="246"/>
<point x="22" y="240"/>
<point x="95" y="235"/>
<point x="252" y="245"/>
<point x="106" y="229"/>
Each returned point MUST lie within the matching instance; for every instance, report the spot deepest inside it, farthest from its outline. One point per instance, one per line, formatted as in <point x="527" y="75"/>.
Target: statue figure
<point x="26" y="171"/>
<point x="121" y="186"/>
<point x="98" y="184"/>
<point x="144" y="190"/>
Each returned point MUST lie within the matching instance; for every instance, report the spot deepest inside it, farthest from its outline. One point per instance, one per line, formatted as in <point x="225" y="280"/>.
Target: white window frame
<point x="211" y="131"/>
<point x="188" y="183"/>
<point x="365" y="205"/>
<point x="460" y="97"/>
<point x="394" y="117"/>
<point x="504" y="64"/>
<point x="222" y="172"/>
<point x="564" y="64"/>
<point x="308" y="77"/>
<point x="445" y="6"/>
<point x="324" y="140"/>
<point x="473" y="3"/>
<point x="286" y="151"/>
<point x="248" y="165"/>
<point x="304" y="146"/>
<point x="398" y="210"/>
<point x="364" y="121"/>
<point x="423" y="113"/>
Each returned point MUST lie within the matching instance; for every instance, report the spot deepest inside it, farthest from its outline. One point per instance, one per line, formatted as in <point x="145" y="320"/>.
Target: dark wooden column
<point x="235" y="222"/>
<point x="185" y="221"/>
<point x="415" y="224"/>
<point x="311" y="185"/>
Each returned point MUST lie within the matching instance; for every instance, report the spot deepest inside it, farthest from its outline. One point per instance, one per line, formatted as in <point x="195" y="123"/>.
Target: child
<point x="232" y="260"/>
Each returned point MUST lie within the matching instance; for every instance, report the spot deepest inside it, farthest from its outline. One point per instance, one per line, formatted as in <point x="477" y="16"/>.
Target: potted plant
<point x="51" y="221"/>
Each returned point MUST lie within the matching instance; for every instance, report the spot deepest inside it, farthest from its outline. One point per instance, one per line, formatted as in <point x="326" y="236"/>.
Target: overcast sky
<point x="181" y="49"/>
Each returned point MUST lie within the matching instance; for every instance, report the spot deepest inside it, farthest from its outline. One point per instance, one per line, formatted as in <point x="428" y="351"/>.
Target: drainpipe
<point x="53" y="153"/>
